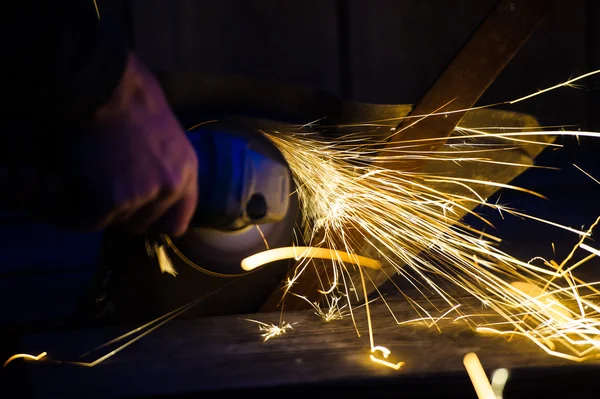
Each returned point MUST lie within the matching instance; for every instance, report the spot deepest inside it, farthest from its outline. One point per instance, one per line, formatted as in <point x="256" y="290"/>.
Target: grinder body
<point x="246" y="200"/>
<point x="242" y="178"/>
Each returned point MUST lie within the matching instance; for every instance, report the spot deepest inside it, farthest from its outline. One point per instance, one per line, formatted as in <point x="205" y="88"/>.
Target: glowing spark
<point x="271" y="330"/>
<point x="333" y="311"/>
<point x="97" y="9"/>
<point x="164" y="261"/>
<point x="590" y="249"/>
<point x="374" y="349"/>
<point x="587" y="174"/>
<point x="310" y="124"/>
<point x="157" y="249"/>
<point x="544" y="300"/>
<point x="24" y="356"/>
<point x="273" y="255"/>
<point x="567" y="83"/>
<point x="262" y="235"/>
<point x="478" y="378"/>
<point x="386" y="353"/>
<point x="149" y="327"/>
<point x="201" y="124"/>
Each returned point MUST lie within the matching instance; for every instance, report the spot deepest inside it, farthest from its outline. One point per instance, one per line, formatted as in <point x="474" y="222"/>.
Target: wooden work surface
<point x="227" y="353"/>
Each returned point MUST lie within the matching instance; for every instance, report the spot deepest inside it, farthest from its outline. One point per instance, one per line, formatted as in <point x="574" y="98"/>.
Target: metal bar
<point x="490" y="48"/>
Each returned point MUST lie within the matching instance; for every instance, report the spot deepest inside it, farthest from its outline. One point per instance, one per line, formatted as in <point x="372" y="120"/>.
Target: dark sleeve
<point x="59" y="61"/>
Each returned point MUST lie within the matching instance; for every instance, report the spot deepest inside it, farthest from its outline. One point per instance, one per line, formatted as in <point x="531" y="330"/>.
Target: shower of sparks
<point x="401" y="216"/>
<point x="412" y="222"/>
<point x="271" y="330"/>
<point x="333" y="310"/>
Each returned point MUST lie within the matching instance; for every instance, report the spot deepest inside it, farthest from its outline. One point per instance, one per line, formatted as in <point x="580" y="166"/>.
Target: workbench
<point x="214" y="356"/>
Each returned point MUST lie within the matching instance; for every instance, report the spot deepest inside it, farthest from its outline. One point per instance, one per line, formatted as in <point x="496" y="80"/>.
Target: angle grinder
<point x="246" y="202"/>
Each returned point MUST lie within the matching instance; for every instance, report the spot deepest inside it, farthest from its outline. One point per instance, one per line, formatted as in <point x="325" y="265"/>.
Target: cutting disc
<point x="220" y="252"/>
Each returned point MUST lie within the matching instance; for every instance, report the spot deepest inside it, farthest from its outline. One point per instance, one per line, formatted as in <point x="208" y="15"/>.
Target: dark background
<point x="378" y="51"/>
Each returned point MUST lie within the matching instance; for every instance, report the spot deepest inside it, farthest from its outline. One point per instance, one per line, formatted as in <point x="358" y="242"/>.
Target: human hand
<point x="133" y="169"/>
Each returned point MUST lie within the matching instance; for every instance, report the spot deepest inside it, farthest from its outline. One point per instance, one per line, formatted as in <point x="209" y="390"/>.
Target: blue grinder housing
<point x="243" y="180"/>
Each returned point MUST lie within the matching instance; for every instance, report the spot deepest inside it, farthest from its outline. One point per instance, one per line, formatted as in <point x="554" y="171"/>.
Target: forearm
<point x="60" y="63"/>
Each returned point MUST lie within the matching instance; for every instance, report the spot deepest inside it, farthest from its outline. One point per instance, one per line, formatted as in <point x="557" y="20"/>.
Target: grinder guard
<point x="244" y="185"/>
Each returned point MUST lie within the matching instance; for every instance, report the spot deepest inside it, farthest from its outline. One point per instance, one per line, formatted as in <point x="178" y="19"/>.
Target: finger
<point x="140" y="219"/>
<point x="151" y="213"/>
<point x="177" y="218"/>
<point x="126" y="212"/>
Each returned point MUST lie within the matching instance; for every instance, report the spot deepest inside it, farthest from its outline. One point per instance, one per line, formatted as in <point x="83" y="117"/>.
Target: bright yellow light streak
<point x="262" y="235"/>
<point x="499" y="379"/>
<point x="587" y="174"/>
<point x="572" y="230"/>
<point x="97" y="9"/>
<point x="374" y="349"/>
<point x="486" y="132"/>
<point x="201" y="124"/>
<point x="164" y="261"/>
<point x="368" y="310"/>
<point x="544" y="300"/>
<point x="334" y="310"/>
<point x="590" y="249"/>
<point x="156" y="323"/>
<point x="567" y="83"/>
<point x="478" y="377"/>
<point x="298" y="253"/>
<point x="110" y="354"/>
<point x="385" y="353"/>
<point x="271" y="330"/>
<point x="418" y="119"/>
<point x="510" y="136"/>
<point x="24" y="356"/>
<point x="547" y="345"/>
<point x="572" y="253"/>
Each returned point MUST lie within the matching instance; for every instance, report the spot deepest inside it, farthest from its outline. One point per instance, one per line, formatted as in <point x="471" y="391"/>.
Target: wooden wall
<point x="381" y="51"/>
